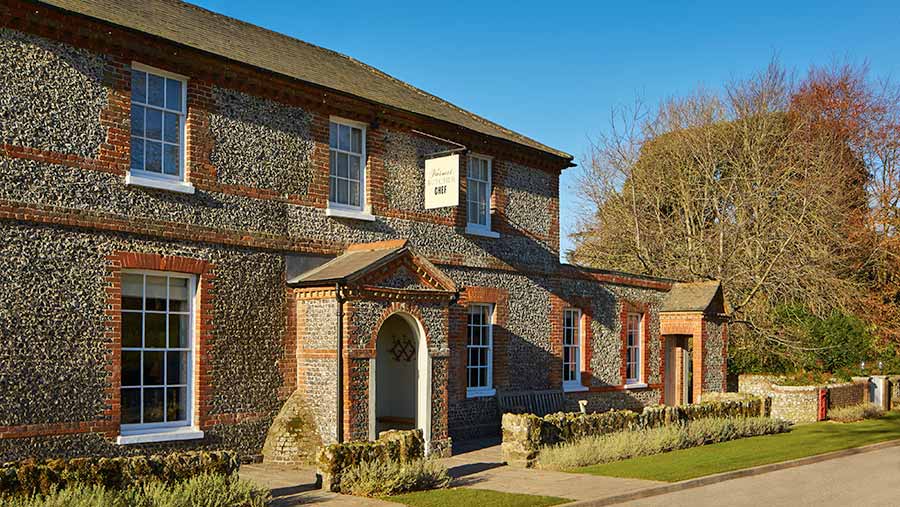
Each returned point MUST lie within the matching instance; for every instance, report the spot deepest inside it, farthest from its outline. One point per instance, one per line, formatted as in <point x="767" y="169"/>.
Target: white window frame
<point x="576" y="331"/>
<point x="488" y="328"/>
<point x="140" y="177"/>
<point x="171" y="430"/>
<point x="337" y="209"/>
<point x="474" y="227"/>
<point x="637" y="346"/>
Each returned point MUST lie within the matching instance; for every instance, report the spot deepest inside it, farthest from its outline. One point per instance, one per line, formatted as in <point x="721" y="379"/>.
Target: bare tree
<point x="733" y="186"/>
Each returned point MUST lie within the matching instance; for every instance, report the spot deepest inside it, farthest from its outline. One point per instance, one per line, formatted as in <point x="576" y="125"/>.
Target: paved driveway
<point x="871" y="478"/>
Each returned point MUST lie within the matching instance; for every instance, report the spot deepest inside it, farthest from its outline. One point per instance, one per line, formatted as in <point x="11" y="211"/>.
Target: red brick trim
<point x="61" y="428"/>
<point x="287" y="364"/>
<point x="393" y="309"/>
<point x="458" y="337"/>
<point x="644" y="310"/>
<point x="93" y="220"/>
<point x="203" y="327"/>
<point x="557" y="306"/>
<point x="606" y="389"/>
<point x="626" y="279"/>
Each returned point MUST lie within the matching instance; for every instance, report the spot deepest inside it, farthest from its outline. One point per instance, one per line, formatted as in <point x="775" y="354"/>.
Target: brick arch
<point x="395" y="309"/>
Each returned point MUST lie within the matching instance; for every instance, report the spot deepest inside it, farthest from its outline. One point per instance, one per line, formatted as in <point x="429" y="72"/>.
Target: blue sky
<point x="553" y="70"/>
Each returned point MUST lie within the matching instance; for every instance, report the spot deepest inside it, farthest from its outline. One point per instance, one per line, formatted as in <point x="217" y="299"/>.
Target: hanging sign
<point x="442" y="182"/>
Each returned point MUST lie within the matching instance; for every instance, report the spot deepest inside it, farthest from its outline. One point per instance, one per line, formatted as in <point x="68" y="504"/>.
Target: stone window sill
<point x="573" y="388"/>
<point x="636" y="385"/>
<point x="349" y="213"/>
<point x="477" y="231"/>
<point x="159" y="436"/>
<point x="481" y="392"/>
<point x="158" y="183"/>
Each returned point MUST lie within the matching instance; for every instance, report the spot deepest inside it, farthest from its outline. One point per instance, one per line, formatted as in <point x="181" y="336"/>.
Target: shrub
<point x="629" y="444"/>
<point x="383" y="478"/>
<point x="395" y="445"/>
<point x="30" y="476"/>
<point x="205" y="490"/>
<point x="855" y="413"/>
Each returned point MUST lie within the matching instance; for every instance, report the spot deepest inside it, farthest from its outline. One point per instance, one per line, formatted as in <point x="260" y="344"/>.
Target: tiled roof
<point x="347" y="265"/>
<point x="693" y="296"/>
<point x="221" y="35"/>
<point x="361" y="259"/>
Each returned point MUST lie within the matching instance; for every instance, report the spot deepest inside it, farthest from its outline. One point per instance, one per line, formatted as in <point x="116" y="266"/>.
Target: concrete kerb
<point x="727" y="476"/>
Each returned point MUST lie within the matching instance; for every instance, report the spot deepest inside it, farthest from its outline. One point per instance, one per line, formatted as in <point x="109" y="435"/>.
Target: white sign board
<point x="442" y="182"/>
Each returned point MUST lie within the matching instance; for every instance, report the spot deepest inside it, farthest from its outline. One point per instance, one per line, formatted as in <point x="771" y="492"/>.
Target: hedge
<point x="31" y="476"/>
<point x="525" y="434"/>
<point x="394" y="445"/>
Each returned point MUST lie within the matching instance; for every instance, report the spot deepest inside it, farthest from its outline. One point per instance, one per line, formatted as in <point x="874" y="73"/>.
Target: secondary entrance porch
<point x="372" y="347"/>
<point x="694" y="341"/>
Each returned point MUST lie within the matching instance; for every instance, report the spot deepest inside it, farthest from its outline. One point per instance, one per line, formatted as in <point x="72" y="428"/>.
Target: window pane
<point x="342" y="191"/>
<point x="483" y="356"/>
<point x="342" y="163"/>
<point x="332" y="189"/>
<point x="473" y="357"/>
<point x="178" y="294"/>
<point x="332" y="135"/>
<point x="354" y="194"/>
<point x="138" y="86"/>
<point x="482" y="377"/>
<point x="176" y="368"/>
<point x="131" y="329"/>
<point x="473" y="377"/>
<point x="131" y="406"/>
<point x="356" y="141"/>
<point x="473" y="213"/>
<point x="153" y="160"/>
<point x="153" y="368"/>
<point x="172" y="128"/>
<point x="155" y="330"/>
<point x="332" y="163"/>
<point x="137" y="153"/>
<point x="354" y="167"/>
<point x="137" y="120"/>
<point x="344" y="137"/>
<point x="153" y="405"/>
<point x="131" y="368"/>
<point x="173" y="94"/>
<point x="178" y="331"/>
<point x="132" y="287"/>
<point x="154" y="124"/>
<point x="176" y="404"/>
<point x="172" y="159"/>
<point x="156" y="293"/>
<point x="155" y="90"/>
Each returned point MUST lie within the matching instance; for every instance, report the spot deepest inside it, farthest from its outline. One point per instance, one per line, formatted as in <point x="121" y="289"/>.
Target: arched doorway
<point x="402" y="393"/>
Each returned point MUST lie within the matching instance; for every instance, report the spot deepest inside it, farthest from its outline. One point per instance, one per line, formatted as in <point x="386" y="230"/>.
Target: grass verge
<point x="802" y="441"/>
<point x="466" y="496"/>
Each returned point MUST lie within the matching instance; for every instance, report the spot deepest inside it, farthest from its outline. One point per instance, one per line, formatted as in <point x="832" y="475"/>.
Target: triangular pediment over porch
<point x="387" y="264"/>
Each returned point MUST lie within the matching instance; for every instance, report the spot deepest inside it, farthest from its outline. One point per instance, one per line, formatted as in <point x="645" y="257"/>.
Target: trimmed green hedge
<point x="29" y="477"/>
<point x="525" y="434"/>
<point x="394" y="445"/>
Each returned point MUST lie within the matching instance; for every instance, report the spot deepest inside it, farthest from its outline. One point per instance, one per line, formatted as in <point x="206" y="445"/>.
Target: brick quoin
<point x="203" y="328"/>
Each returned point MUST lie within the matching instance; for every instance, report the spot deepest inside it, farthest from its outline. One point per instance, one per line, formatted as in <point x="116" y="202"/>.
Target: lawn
<point x="482" y="497"/>
<point x="802" y="441"/>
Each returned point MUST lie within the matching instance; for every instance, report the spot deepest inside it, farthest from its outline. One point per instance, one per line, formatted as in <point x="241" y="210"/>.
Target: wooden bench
<point x="539" y="403"/>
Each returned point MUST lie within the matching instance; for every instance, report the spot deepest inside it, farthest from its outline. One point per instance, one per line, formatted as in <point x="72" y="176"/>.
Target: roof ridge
<point x="372" y="69"/>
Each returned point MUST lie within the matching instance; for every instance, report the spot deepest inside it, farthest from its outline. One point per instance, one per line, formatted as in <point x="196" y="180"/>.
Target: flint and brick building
<point x="209" y="229"/>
